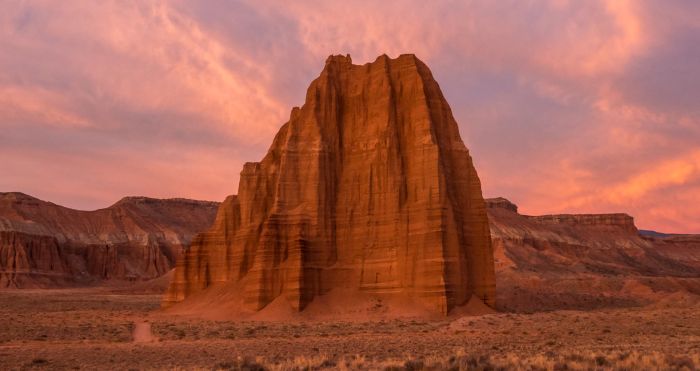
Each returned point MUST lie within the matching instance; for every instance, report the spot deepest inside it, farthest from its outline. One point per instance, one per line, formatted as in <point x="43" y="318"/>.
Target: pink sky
<point x="566" y="106"/>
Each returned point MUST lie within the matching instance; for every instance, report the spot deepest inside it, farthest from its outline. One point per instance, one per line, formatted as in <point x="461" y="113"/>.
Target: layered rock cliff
<point x="367" y="187"/>
<point x="586" y="261"/>
<point x="47" y="245"/>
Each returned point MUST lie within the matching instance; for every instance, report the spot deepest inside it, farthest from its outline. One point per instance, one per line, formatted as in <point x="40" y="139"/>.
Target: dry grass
<point x="91" y="329"/>
<point x="616" y="360"/>
<point x="70" y="315"/>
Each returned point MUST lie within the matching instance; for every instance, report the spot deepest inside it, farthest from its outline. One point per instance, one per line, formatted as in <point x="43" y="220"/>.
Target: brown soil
<point x="102" y="329"/>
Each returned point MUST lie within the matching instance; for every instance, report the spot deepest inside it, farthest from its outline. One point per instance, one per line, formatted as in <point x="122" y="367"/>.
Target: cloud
<point x="34" y="104"/>
<point x="551" y="37"/>
<point x="138" y="57"/>
<point x="669" y="173"/>
<point x="566" y="106"/>
<point x="657" y="176"/>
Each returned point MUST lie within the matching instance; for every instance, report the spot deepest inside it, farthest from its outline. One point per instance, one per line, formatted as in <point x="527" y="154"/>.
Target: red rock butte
<point x="367" y="187"/>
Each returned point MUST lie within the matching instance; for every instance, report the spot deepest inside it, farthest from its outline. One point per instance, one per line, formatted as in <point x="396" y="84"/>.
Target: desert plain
<point x="113" y="328"/>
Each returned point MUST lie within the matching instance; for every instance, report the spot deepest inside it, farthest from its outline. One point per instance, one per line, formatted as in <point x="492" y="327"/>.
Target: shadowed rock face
<point x="47" y="245"/>
<point x="368" y="186"/>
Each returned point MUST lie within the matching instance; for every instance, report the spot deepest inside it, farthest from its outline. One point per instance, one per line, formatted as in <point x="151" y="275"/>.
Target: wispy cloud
<point x="566" y="106"/>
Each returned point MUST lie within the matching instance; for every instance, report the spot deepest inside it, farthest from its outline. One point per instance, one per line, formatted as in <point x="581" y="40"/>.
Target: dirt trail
<point x="142" y="333"/>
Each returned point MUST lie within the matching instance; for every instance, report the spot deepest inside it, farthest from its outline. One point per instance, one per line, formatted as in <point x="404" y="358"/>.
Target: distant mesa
<point x="368" y="190"/>
<point x="586" y="261"/>
<point x="138" y="238"/>
<point x="501" y="203"/>
<point x="613" y="219"/>
<point x="656" y="234"/>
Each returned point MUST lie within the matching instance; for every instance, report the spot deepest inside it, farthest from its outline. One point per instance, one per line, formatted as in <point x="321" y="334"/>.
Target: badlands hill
<point x="46" y="245"/>
<point x="587" y="261"/>
<point x="367" y="191"/>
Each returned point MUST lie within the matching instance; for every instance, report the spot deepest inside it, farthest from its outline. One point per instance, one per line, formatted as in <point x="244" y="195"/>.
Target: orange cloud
<point x="34" y="104"/>
<point x="573" y="40"/>
<point x="673" y="172"/>
<point x="150" y="56"/>
<point x="619" y="46"/>
<point x="649" y="195"/>
<point x="168" y="98"/>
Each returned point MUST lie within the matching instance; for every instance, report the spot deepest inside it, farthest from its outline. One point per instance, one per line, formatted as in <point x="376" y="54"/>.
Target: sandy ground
<point x="143" y="333"/>
<point x="101" y="329"/>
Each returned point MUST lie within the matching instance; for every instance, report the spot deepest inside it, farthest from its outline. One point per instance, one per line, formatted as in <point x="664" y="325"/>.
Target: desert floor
<point x="102" y="329"/>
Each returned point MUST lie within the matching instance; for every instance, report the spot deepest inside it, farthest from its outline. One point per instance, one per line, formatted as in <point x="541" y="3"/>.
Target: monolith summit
<point x="367" y="187"/>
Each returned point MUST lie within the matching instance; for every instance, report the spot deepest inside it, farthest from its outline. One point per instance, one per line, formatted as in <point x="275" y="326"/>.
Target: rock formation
<point x="47" y="245"/>
<point x="368" y="187"/>
<point x="586" y="261"/>
<point x="500" y="203"/>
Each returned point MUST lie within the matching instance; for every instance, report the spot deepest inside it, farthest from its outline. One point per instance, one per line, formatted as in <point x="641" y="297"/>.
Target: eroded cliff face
<point x="138" y="238"/>
<point x="583" y="261"/>
<point x="368" y="187"/>
<point x="35" y="258"/>
<point x="616" y="221"/>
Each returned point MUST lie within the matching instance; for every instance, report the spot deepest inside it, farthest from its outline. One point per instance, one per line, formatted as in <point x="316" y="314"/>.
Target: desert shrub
<point x="329" y="363"/>
<point x="680" y="363"/>
<point x="242" y="364"/>
<point x="413" y="365"/>
<point x="39" y="361"/>
<point x="469" y="362"/>
<point x="601" y="361"/>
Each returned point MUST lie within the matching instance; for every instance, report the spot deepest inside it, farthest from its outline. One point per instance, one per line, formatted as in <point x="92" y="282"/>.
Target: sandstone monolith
<point x="367" y="187"/>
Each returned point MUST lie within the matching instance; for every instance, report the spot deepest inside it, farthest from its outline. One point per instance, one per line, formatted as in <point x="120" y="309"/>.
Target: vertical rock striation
<point x="368" y="186"/>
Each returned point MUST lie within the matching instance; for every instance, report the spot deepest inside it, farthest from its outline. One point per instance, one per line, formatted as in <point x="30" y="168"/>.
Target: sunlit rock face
<point x="368" y="186"/>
